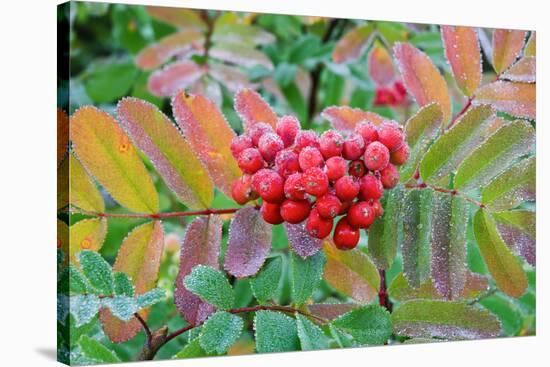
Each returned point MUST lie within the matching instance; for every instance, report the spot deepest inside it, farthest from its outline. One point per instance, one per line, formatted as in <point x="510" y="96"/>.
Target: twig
<point x="209" y="211"/>
<point x="460" y="113"/>
<point x="383" y="299"/>
<point x="423" y="185"/>
<point x="146" y="329"/>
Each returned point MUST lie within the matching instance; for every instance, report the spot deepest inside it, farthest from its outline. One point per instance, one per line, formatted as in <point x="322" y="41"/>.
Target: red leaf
<point x="381" y="68"/>
<point x="517" y="99"/>
<point x="523" y="71"/>
<point x="175" y="44"/>
<point x="507" y="46"/>
<point x="178" y="17"/>
<point x="249" y="243"/>
<point x="330" y="311"/>
<point x="345" y="118"/>
<point x="239" y="54"/>
<point x="201" y="246"/>
<point x="301" y="242"/>
<point x="252" y="109"/>
<point x="353" y="44"/>
<point x="233" y="78"/>
<point x="174" y="77"/>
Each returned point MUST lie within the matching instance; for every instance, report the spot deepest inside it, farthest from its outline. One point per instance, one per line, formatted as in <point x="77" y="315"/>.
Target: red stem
<point x="460" y="113"/>
<point x="383" y="299"/>
<point x="423" y="185"/>
<point x="146" y="329"/>
<point x="155" y="215"/>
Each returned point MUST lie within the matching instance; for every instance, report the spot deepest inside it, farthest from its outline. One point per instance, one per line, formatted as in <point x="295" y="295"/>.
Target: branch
<point x="208" y="211"/>
<point x="423" y="185"/>
<point x="383" y="299"/>
<point x="146" y="329"/>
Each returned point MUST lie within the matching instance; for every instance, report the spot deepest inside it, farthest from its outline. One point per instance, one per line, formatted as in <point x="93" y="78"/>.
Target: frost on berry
<point x="306" y="138"/>
<point x="250" y="160"/>
<point x="286" y="163"/>
<point x="317" y="226"/>
<point x="389" y="176"/>
<point x="257" y="130"/>
<point x="391" y="136"/>
<point x="336" y="167"/>
<point x="315" y="181"/>
<point x="310" y="157"/>
<point x="377" y="156"/>
<point x="269" y="185"/>
<point x="354" y="146"/>
<point x="240" y="143"/>
<point x="294" y="187"/>
<point x="287" y="128"/>
<point x="295" y="211"/>
<point x="269" y="145"/>
<point x="331" y="144"/>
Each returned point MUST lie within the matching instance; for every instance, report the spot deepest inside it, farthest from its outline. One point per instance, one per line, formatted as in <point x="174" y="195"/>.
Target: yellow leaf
<point x="83" y="191"/>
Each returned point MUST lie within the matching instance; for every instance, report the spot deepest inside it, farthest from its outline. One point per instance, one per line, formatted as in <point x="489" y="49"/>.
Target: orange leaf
<point x="62" y="134"/>
<point x="464" y="55"/>
<point x="353" y="44"/>
<point x="252" y="109"/>
<point x="209" y="135"/>
<point x="422" y="78"/>
<point x="174" y="77"/>
<point x="381" y="68"/>
<point x="531" y="46"/>
<point x="345" y="118"/>
<point x="138" y="257"/>
<point x="87" y="234"/>
<point x="157" y="54"/>
<point x="517" y="99"/>
<point x="507" y="46"/>
<point x="523" y="71"/>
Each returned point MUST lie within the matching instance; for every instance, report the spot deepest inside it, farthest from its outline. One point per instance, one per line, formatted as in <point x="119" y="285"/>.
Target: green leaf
<point x="505" y="268"/>
<point x="151" y="297"/>
<point x="417" y="220"/>
<point x="500" y="150"/>
<point x="311" y="336"/>
<point x="506" y="311"/>
<point x="275" y="332"/>
<point x="77" y="282"/>
<point x="192" y="349"/>
<point x="96" y="351"/>
<point x="512" y="187"/>
<point x="305" y="275"/>
<point x="444" y="319"/>
<point x="211" y="285"/>
<point x="122" y="307"/>
<point x="265" y="284"/>
<point x="97" y="271"/>
<point x="420" y="130"/>
<point x="367" y="325"/>
<point x="84" y="307"/>
<point x="452" y="147"/>
<point x="110" y="80"/>
<point x="123" y="285"/>
<point x="383" y="233"/>
<point x="220" y="332"/>
<point x="518" y="229"/>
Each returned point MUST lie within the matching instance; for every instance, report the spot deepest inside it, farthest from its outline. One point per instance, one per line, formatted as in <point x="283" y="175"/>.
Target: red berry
<point x="257" y="130"/>
<point x="345" y="236"/>
<point x="347" y="188"/>
<point x="306" y="138"/>
<point x="357" y="168"/>
<point x="371" y="188"/>
<point x="240" y="143"/>
<point x="310" y="157"/>
<point x="250" y="160"/>
<point x="286" y="163"/>
<point x="368" y="131"/>
<point x="328" y="206"/>
<point x="383" y="97"/>
<point x="242" y="191"/>
<point x="354" y="146"/>
<point x="318" y="226"/>
<point x="377" y="207"/>
<point x="345" y="207"/>
<point x="400" y="88"/>
<point x="361" y="215"/>
<point x="331" y="144"/>
<point x="269" y="145"/>
<point x="294" y="187"/>
<point x="287" y="128"/>
<point x="400" y="156"/>
<point x="391" y="136"/>
<point x="269" y="185"/>
<point x="377" y="156"/>
<point x="315" y="181"/>
<point x="271" y="213"/>
<point x="389" y="176"/>
<point x="335" y="168"/>
<point x="295" y="211"/>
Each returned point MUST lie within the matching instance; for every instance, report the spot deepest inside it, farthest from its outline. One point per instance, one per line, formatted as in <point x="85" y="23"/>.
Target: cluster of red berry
<point x="302" y="176"/>
<point x="392" y="95"/>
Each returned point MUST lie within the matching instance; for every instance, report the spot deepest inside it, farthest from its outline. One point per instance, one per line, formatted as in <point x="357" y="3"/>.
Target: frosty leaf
<point x="63" y="243"/>
<point x="107" y="153"/>
<point x="233" y="78"/>
<point x="249" y="243"/>
<point x="63" y="184"/>
<point x="220" y="332"/>
<point x="420" y="130"/>
<point x="209" y="134"/>
<point x="504" y="267"/>
<point x="352" y="45"/>
<point x="330" y="311"/>
<point x="96" y="351"/>
<point x="84" y="307"/>
<point x="87" y="234"/>
<point x="201" y="245"/>
<point x="311" y="336"/>
<point x="443" y="319"/>
<point x="514" y="186"/>
<point x="422" y="78"/>
<point x="211" y="285"/>
<point x="517" y="99"/>
<point x="452" y="147"/>
<point x="178" y="17"/>
<point x="121" y="307"/>
<point x="174" y="77"/>
<point x="300" y="241"/>
<point x="157" y="54"/>
<point x="252" y="109"/>
<point x="531" y="46"/>
<point x="518" y="229"/>
<point x="367" y="325"/>
<point x="123" y="284"/>
<point x="240" y="54"/>
<point x="507" y="46"/>
<point x="400" y="290"/>
<point x="139" y="258"/>
<point x="351" y="272"/>
<point x="77" y="282"/>
<point x="275" y="332"/>
<point x="449" y="222"/>
<point x="497" y="153"/>
<point x="417" y="221"/>
<point x="265" y="284"/>
<point x="523" y="71"/>
<point x="192" y="349"/>
<point x="151" y="297"/>
<point x="97" y="271"/>
<point x="344" y="118"/>
<point x="241" y="33"/>
<point x="305" y="275"/>
<point x="380" y="65"/>
<point x="384" y="231"/>
<point x="83" y="191"/>
<point x="464" y="55"/>
<point x="155" y="135"/>
<point x="62" y="135"/>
